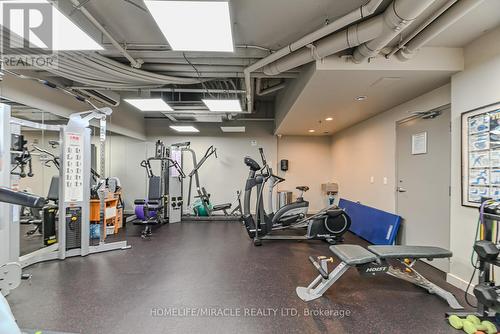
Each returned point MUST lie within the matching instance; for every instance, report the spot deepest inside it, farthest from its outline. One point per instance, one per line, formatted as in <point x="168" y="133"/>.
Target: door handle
<point x="401" y="190"/>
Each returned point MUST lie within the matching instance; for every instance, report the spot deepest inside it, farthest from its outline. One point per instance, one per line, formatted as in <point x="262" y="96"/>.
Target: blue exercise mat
<point x="373" y="225"/>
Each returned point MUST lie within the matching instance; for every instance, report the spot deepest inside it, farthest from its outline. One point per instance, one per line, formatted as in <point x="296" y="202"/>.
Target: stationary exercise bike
<point x="329" y="224"/>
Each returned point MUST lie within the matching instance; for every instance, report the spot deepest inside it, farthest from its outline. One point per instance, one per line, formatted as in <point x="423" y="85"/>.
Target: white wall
<point x="123" y="158"/>
<point x="222" y="177"/>
<point x="310" y="165"/>
<point x="478" y="85"/>
<point x="309" y="156"/>
<point x="369" y="149"/>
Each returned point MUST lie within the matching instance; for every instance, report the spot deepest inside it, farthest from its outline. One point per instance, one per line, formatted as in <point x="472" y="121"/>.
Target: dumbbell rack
<point x="490" y="219"/>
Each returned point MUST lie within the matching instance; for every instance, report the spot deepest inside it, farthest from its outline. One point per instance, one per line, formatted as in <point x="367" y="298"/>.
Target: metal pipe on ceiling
<point x="105" y="72"/>
<point x="117" y="67"/>
<point x="269" y="90"/>
<point x="359" y="13"/>
<point x="150" y="46"/>
<point x="353" y="36"/>
<point x="136" y="63"/>
<point x="167" y="90"/>
<point x="219" y="75"/>
<point x="244" y="62"/>
<point x="451" y="16"/>
<point x="399" y="15"/>
<point x="113" y="74"/>
<point x="238" y="54"/>
<point x="189" y="68"/>
<point x="368" y="36"/>
<point x="421" y="27"/>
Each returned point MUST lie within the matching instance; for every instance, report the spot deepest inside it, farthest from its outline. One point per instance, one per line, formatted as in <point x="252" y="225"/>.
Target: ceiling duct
<point x="397" y="17"/>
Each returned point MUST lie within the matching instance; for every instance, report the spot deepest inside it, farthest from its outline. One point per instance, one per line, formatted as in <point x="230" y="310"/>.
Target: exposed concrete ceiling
<point x="273" y="24"/>
<point x="268" y="23"/>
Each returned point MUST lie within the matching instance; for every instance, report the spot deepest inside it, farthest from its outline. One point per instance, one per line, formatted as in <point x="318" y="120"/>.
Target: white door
<point x="423" y="156"/>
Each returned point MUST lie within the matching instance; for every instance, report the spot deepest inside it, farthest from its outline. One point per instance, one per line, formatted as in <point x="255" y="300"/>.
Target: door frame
<point x="402" y="121"/>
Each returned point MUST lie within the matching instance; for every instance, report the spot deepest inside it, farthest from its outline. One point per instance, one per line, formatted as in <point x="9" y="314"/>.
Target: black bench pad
<point x="353" y="255"/>
<point x="412" y="252"/>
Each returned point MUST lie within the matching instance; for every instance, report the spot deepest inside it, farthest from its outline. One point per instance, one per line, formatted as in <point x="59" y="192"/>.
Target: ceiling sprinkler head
<point x="360" y="98"/>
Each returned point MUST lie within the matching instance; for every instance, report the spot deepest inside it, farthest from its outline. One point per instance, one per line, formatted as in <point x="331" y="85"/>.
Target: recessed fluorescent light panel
<point x="223" y="105"/>
<point x="194" y="25"/>
<point x="233" y="129"/>
<point x="184" y="128"/>
<point x="57" y="33"/>
<point x="149" y="104"/>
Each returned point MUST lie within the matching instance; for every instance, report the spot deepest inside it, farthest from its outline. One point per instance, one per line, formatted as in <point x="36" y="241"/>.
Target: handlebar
<point x="278" y="178"/>
<point x="42" y="150"/>
<point x="147" y="164"/>
<point x="210" y="151"/>
<point x="265" y="170"/>
<point x="55" y="159"/>
<point x="262" y="156"/>
<point x="177" y="167"/>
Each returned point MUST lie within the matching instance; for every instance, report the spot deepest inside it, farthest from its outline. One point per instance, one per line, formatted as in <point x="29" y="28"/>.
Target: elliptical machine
<point x="289" y="213"/>
<point x="329" y="224"/>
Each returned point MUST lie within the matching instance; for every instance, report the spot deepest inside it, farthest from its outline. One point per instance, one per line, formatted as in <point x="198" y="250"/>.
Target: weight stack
<point x="73" y="228"/>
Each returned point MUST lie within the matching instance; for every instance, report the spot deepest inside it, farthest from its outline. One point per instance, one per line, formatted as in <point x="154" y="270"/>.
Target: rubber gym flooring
<point x="209" y="278"/>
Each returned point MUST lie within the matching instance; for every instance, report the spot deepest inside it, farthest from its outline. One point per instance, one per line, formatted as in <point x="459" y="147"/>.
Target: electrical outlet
<point x="385" y="180"/>
<point x="372" y="179"/>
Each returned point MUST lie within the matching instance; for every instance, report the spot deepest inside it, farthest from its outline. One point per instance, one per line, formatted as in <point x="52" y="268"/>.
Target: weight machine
<point x="73" y="233"/>
<point x="202" y="209"/>
<point x="164" y="201"/>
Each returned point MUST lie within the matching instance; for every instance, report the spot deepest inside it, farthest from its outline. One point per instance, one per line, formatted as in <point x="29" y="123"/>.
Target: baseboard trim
<point x="459" y="283"/>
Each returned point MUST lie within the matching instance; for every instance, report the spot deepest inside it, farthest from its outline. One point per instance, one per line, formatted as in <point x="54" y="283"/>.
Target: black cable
<point x="468" y="287"/>
<point x="198" y="74"/>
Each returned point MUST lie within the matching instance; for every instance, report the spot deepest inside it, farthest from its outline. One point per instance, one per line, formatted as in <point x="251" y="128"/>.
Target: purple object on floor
<point x="140" y="212"/>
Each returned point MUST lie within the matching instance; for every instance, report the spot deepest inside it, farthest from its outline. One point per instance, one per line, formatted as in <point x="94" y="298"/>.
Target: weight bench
<point x="397" y="261"/>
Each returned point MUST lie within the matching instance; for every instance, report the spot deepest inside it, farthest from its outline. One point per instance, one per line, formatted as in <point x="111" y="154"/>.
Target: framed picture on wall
<point x="480" y="155"/>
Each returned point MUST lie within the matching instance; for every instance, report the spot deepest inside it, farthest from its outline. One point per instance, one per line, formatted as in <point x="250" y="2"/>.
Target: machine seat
<point x="412" y="252"/>
<point x="224" y="206"/>
<point x="353" y="255"/>
<point x="303" y="188"/>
